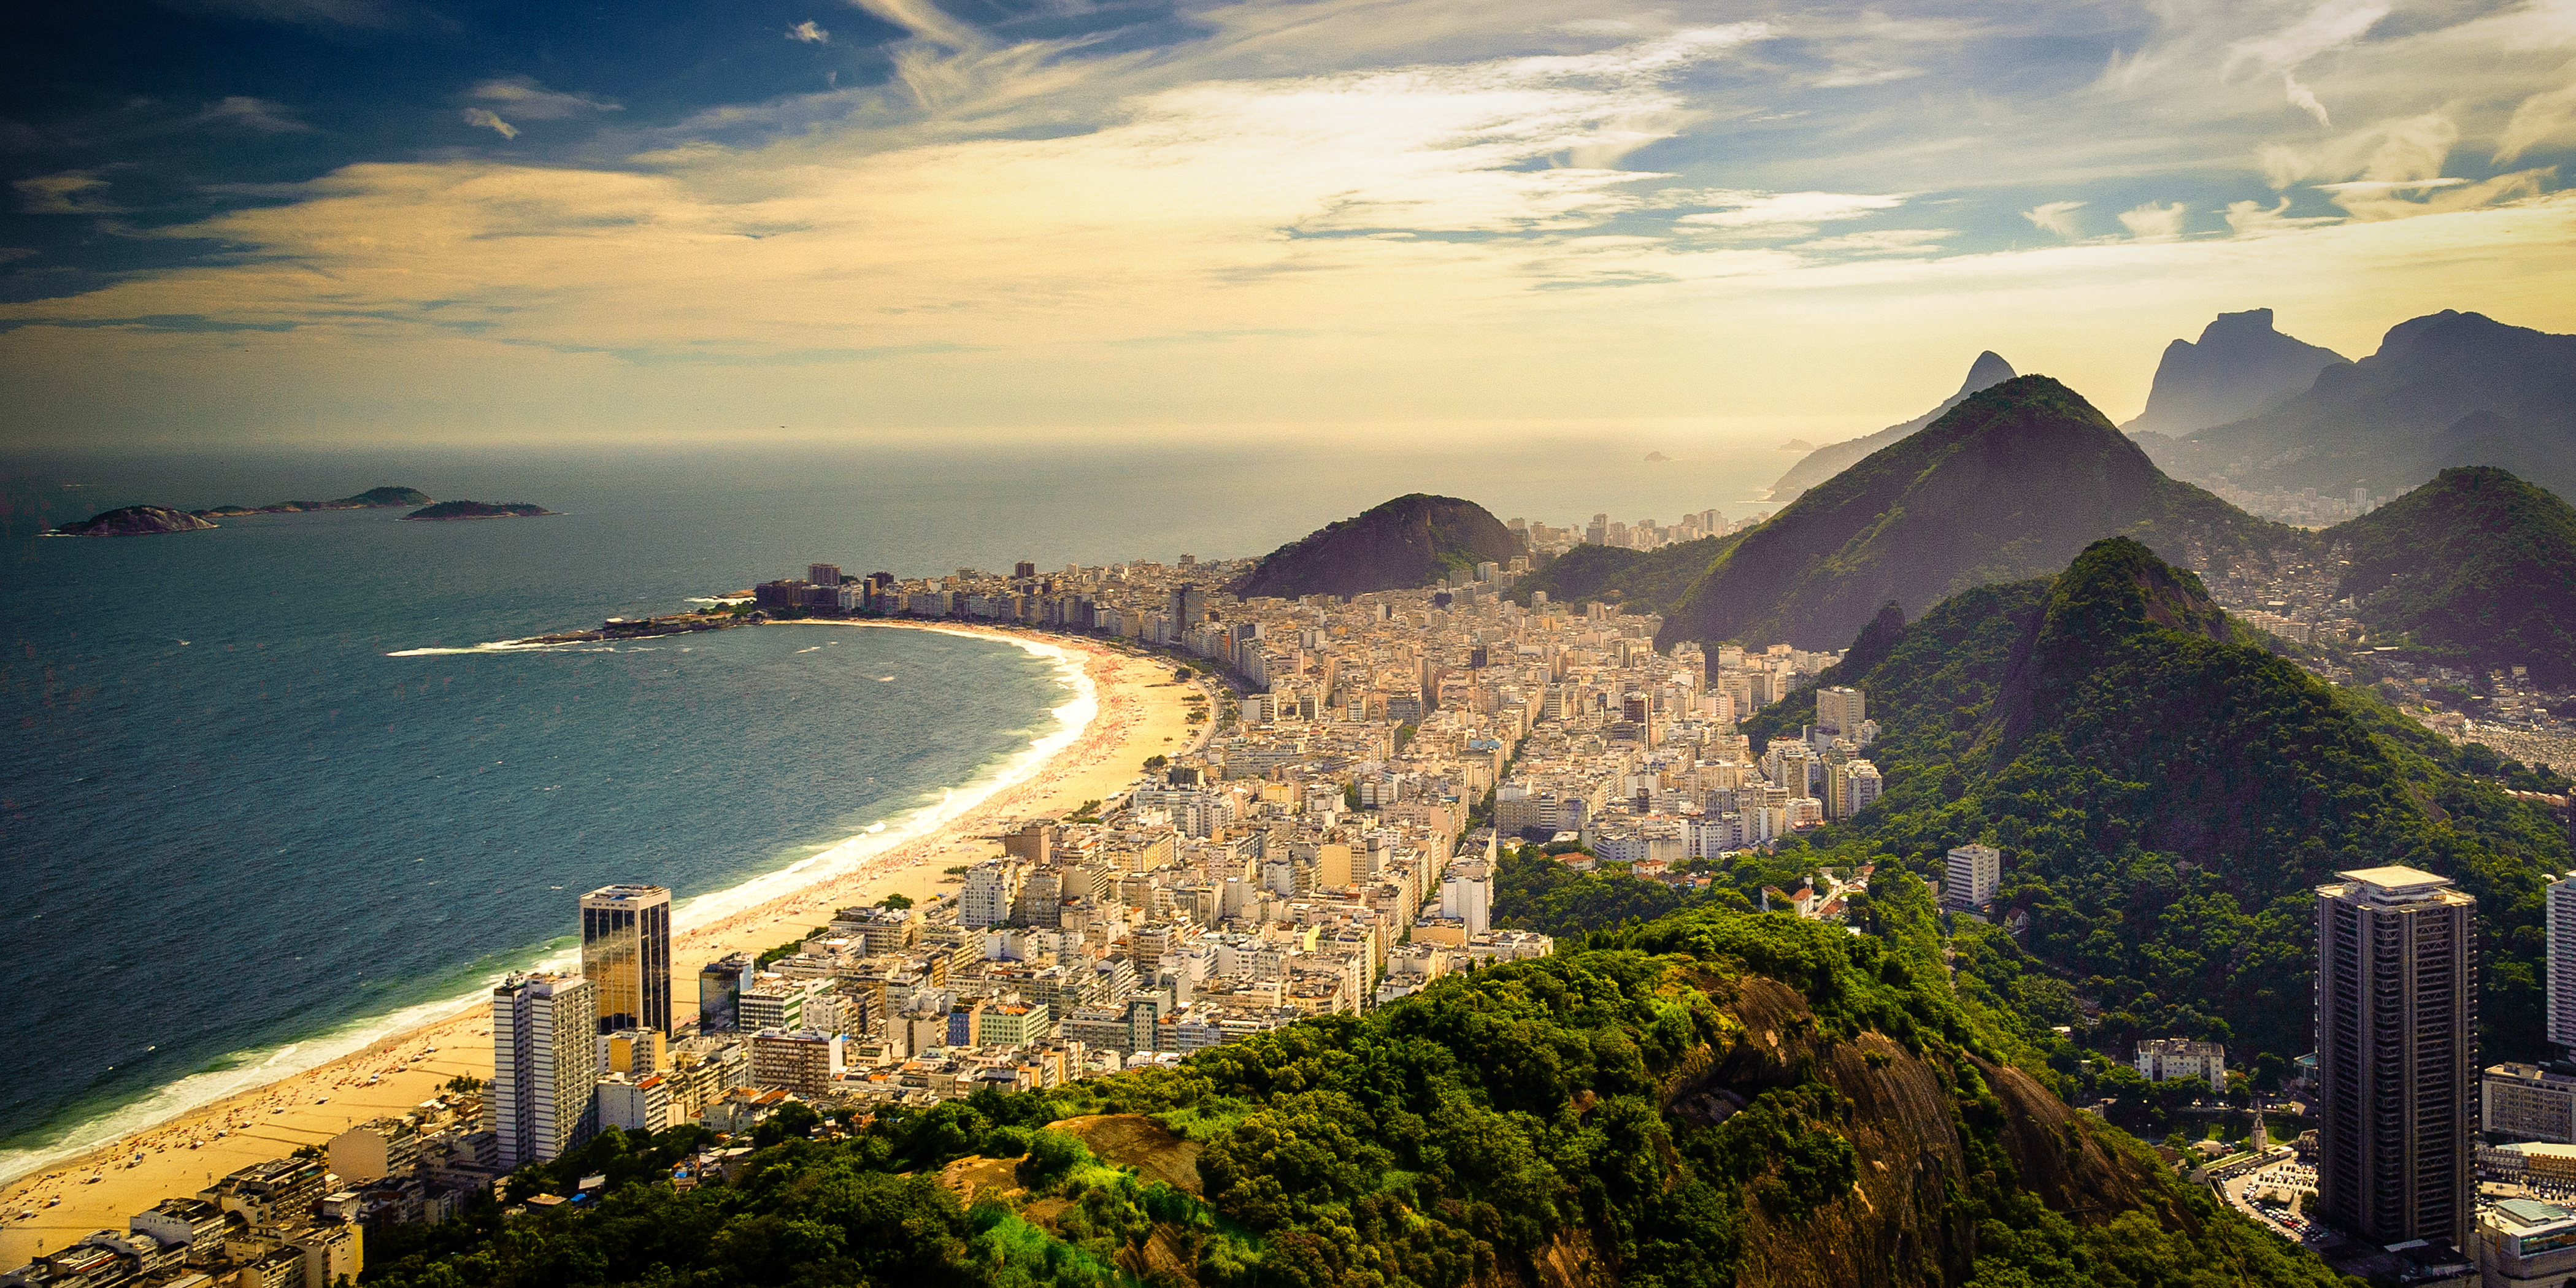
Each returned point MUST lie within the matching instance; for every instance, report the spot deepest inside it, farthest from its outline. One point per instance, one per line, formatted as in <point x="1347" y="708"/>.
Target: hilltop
<point x="1403" y="544"/>
<point x="2240" y="366"/>
<point x="2476" y="566"/>
<point x="1640" y="581"/>
<point x="134" y="521"/>
<point x="2165" y="793"/>
<point x="1713" y="1098"/>
<point x="2447" y="389"/>
<point x="1825" y="462"/>
<point x="2009" y="484"/>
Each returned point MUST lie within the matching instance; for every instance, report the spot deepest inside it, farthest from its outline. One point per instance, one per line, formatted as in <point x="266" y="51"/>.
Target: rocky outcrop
<point x="134" y="521"/>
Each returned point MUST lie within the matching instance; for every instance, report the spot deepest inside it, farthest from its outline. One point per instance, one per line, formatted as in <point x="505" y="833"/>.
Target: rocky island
<point x="477" y="510"/>
<point x="372" y="498"/>
<point x="133" y="521"/>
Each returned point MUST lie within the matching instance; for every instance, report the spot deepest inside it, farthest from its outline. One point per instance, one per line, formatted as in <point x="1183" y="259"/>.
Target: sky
<point x="1436" y="221"/>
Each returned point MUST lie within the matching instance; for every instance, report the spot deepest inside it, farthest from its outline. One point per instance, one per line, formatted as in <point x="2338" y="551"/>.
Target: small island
<point x="477" y="510"/>
<point x="372" y="498"/>
<point x="1656" y="458"/>
<point x="133" y="521"/>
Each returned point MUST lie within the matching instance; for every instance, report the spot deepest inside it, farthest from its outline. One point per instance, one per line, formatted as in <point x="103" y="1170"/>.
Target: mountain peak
<point x="2240" y="366"/>
<point x="1823" y="463"/>
<point x="1400" y="544"/>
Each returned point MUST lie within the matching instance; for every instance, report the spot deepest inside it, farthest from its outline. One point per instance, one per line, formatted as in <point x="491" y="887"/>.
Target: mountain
<point x="1833" y="458"/>
<point x="1641" y="581"/>
<point x="2239" y="367"/>
<point x="1709" y="1099"/>
<point x="2477" y="566"/>
<point x="1406" y="543"/>
<point x="2447" y="389"/>
<point x="134" y="521"/>
<point x="2009" y="484"/>
<point x="2165" y="793"/>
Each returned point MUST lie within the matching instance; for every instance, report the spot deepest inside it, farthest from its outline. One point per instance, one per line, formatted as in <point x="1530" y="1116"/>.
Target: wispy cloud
<point x="524" y="98"/>
<point x="2152" y="222"/>
<point x="924" y="21"/>
<point x="253" y="114"/>
<point x="2546" y="119"/>
<point x="484" y="118"/>
<point x="74" y="192"/>
<point x="2055" y="217"/>
<point x="1784" y="213"/>
<point x="809" y="33"/>
<point x="1885" y="241"/>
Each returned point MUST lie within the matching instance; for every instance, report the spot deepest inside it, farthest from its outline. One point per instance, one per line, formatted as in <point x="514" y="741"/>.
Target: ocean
<point x="264" y="799"/>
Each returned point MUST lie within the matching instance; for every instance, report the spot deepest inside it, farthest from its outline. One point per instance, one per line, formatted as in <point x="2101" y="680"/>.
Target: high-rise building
<point x="1840" y="710"/>
<point x="1189" y="606"/>
<point x="545" y="1064"/>
<point x="823" y="574"/>
<point x="719" y="983"/>
<point x="1975" y="872"/>
<point x="626" y="951"/>
<point x="2397" y="1039"/>
<point x="2562" y="963"/>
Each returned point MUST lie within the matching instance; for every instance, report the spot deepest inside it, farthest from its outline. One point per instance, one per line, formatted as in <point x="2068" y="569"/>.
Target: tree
<point x="898" y="902"/>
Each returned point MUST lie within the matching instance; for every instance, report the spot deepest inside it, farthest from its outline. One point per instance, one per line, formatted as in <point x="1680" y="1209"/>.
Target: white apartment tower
<point x="2562" y="962"/>
<point x="1840" y="710"/>
<point x="1975" y="871"/>
<point x="992" y="887"/>
<point x="545" y="1065"/>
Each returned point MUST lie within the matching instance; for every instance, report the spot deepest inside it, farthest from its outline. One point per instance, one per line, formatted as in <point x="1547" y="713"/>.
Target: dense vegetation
<point x="1408" y="542"/>
<point x="2166" y="796"/>
<point x="2477" y="567"/>
<point x="2009" y="484"/>
<point x="1710" y="1098"/>
<point x="1640" y="581"/>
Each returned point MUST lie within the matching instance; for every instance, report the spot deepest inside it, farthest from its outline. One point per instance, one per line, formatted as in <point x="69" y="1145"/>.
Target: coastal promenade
<point x="1141" y="712"/>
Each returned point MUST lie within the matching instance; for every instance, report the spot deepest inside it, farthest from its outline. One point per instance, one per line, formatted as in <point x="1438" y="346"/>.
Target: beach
<point x="1138" y="710"/>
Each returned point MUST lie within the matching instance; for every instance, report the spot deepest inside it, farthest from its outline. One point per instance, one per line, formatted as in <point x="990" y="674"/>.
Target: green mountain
<point x="1831" y="459"/>
<point x="1403" y="544"/>
<point x="2477" y="566"/>
<point x="2010" y="483"/>
<point x="1643" y="581"/>
<point x="2166" y="794"/>
<point x="2447" y="389"/>
<point x="1710" y="1099"/>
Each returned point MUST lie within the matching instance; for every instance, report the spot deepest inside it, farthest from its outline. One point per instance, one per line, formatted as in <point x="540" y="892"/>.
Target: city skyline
<point x="380" y="221"/>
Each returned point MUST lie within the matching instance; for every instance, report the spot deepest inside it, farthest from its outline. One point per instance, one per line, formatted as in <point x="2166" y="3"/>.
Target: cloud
<point x="2386" y="198"/>
<point x="2547" y="118"/>
<point x="253" y="114"/>
<point x="808" y="33"/>
<point x="1886" y="241"/>
<point x="483" y="119"/>
<point x="73" y="192"/>
<point x="530" y="101"/>
<point x="1849" y="77"/>
<point x="2254" y="219"/>
<point x="2331" y="25"/>
<point x="2304" y="98"/>
<point x="2056" y="217"/>
<point x="924" y="21"/>
<point x="2151" y="222"/>
<point x="324" y="14"/>
<point x="1782" y="214"/>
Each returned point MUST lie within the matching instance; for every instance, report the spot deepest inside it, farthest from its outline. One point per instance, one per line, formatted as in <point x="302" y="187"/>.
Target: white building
<point x="1467" y="893"/>
<point x="545" y="1063"/>
<point x="2527" y="1102"/>
<point x="635" y="1104"/>
<point x="1975" y="871"/>
<point x="991" y="888"/>
<point x="2177" y="1059"/>
<point x="2562" y="962"/>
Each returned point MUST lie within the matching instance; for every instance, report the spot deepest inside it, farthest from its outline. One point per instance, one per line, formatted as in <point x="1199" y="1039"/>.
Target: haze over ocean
<point x="274" y="831"/>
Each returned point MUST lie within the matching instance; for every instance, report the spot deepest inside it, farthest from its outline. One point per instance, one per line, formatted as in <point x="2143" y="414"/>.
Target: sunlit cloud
<point x="808" y="33"/>
<point x="2152" y="221"/>
<point x="253" y="114"/>
<point x="2055" y="217"/>
<point x="524" y="98"/>
<point x="71" y="193"/>
<point x="483" y="118"/>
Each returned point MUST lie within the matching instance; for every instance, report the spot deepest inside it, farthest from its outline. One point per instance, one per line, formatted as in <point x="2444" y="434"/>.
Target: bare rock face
<point x="2239" y="366"/>
<point x="134" y="521"/>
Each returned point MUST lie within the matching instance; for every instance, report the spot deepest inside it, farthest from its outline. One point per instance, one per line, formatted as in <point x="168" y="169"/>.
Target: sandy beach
<point x="1141" y="713"/>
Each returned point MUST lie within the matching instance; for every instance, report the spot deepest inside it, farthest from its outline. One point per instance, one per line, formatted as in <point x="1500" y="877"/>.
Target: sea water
<point x="264" y="798"/>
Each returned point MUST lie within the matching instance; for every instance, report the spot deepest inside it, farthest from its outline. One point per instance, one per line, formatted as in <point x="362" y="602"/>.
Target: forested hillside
<point x="1708" y="1099"/>
<point x="2166" y="795"/>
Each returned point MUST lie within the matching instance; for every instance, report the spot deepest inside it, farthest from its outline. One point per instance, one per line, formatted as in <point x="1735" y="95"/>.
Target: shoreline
<point x="1136" y="711"/>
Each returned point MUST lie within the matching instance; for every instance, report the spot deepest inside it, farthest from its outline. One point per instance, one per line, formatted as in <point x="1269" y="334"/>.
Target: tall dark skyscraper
<point x="2397" y="1048"/>
<point x="626" y="951"/>
<point x="1189" y="607"/>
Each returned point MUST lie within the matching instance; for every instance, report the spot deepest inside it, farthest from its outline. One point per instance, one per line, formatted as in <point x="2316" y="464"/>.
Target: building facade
<point x="1975" y="872"/>
<point x="626" y="953"/>
<point x="2396" y="996"/>
<point x="545" y="1064"/>
<point x="2527" y="1102"/>
<point x="2561" y="982"/>
<point x="2175" y="1059"/>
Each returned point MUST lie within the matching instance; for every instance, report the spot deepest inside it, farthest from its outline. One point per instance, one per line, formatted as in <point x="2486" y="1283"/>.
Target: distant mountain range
<point x="1403" y="544"/>
<point x="2478" y="567"/>
<point x="1825" y="462"/>
<point x="2008" y="484"/>
<point x="2239" y="367"/>
<point x="2448" y="389"/>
